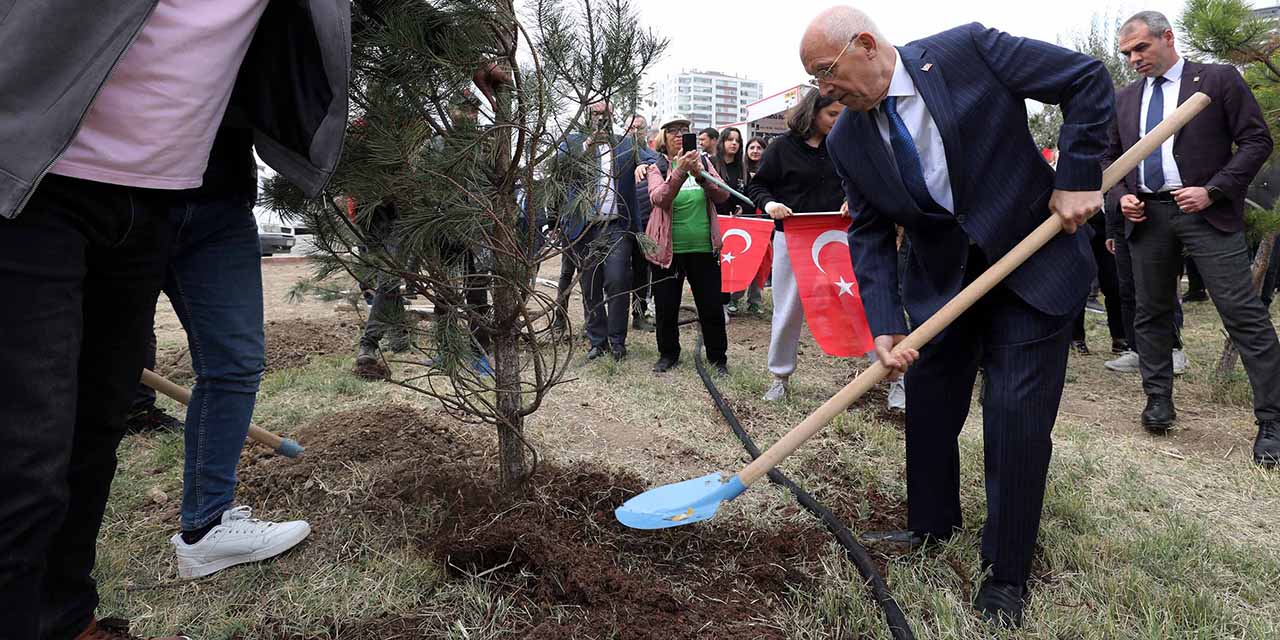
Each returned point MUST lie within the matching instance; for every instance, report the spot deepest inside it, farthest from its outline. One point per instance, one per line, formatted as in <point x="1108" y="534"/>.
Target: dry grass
<point x="1142" y="537"/>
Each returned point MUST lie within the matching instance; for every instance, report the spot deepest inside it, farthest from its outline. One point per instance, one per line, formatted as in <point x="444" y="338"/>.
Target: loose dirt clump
<point x="292" y="343"/>
<point x="554" y="547"/>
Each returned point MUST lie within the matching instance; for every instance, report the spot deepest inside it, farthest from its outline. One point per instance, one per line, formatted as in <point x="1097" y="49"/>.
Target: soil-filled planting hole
<point x="554" y="547"/>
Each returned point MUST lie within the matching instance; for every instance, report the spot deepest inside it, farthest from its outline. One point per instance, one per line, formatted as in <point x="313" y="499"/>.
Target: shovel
<point x="286" y="447"/>
<point x="698" y="499"/>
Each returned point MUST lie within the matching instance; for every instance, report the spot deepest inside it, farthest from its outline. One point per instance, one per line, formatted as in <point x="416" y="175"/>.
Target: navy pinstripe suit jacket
<point x="975" y="86"/>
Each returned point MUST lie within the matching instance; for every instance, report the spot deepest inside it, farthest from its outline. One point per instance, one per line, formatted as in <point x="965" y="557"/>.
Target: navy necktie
<point x="907" y="157"/>
<point x="1153" y="165"/>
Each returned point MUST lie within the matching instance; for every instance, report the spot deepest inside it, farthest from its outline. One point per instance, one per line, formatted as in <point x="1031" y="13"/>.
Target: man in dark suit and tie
<point x="935" y="139"/>
<point x="1190" y="194"/>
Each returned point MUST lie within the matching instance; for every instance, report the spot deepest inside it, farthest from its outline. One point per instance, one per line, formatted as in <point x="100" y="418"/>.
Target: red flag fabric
<point x="819" y="251"/>
<point x="744" y="244"/>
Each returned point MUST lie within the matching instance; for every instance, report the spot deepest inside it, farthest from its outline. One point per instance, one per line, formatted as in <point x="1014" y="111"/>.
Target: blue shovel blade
<point x="681" y="503"/>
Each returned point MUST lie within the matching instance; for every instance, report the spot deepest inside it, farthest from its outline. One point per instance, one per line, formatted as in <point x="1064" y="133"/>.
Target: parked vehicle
<point x="273" y="235"/>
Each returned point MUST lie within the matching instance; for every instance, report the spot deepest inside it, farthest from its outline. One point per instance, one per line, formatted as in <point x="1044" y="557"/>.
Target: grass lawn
<point x="1142" y="537"/>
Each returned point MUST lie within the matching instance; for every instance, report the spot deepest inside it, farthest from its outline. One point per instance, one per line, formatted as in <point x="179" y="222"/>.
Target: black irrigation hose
<point x="858" y="555"/>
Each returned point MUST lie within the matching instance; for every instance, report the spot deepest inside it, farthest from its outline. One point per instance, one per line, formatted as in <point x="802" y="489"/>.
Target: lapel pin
<point x="929" y="65"/>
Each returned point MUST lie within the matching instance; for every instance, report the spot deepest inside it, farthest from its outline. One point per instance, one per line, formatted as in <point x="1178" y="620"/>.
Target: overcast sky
<point x="761" y="39"/>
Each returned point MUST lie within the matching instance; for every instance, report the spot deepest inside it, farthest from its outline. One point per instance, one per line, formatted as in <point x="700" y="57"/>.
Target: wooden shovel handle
<point x="182" y="395"/>
<point x="966" y="298"/>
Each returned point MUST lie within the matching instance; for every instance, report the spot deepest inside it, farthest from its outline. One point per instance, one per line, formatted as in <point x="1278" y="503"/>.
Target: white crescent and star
<point x="827" y="237"/>
<point x="729" y="257"/>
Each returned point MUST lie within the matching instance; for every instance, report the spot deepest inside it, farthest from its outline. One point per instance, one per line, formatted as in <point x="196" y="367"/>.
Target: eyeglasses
<point x="677" y="131"/>
<point x="826" y="74"/>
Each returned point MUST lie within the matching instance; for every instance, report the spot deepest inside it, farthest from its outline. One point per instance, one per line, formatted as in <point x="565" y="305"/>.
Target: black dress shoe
<point x="619" y="353"/>
<point x="1001" y="602"/>
<point x="1266" y="449"/>
<point x="1199" y="295"/>
<point x="1159" y="415"/>
<point x="594" y="352"/>
<point x="664" y="364"/>
<point x="903" y="540"/>
<point x="721" y="368"/>
<point x="1081" y="347"/>
<point x="151" y="419"/>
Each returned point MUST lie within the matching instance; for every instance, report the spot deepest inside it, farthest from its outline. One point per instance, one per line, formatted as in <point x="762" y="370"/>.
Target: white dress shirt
<point x="1172" y="83"/>
<point x="924" y="132"/>
<point x="606" y="193"/>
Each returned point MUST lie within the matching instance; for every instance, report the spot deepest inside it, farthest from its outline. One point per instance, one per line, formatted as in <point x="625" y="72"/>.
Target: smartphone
<point x="689" y="142"/>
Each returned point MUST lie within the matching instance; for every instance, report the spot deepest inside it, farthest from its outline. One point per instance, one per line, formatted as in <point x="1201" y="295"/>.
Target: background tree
<point x="1229" y="31"/>
<point x="449" y="195"/>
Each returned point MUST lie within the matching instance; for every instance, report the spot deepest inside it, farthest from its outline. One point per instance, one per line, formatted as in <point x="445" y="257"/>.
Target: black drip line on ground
<point x="856" y="553"/>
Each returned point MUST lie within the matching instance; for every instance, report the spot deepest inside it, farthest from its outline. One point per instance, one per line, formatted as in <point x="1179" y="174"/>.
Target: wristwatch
<point x="1215" y="194"/>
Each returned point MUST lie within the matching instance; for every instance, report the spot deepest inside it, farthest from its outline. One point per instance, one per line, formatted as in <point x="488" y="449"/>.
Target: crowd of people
<point x="112" y="190"/>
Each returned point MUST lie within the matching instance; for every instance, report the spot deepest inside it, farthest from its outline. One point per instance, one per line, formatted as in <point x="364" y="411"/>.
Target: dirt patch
<point x="555" y="547"/>
<point x="292" y="343"/>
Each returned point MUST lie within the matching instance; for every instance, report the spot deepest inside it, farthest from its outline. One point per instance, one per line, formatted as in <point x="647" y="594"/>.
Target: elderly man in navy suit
<point x="935" y="140"/>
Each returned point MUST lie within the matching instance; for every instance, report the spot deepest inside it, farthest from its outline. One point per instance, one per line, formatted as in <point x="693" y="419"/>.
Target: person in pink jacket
<point x="683" y="225"/>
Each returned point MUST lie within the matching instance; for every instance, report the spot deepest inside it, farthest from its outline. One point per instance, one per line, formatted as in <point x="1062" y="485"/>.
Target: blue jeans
<point x="214" y="281"/>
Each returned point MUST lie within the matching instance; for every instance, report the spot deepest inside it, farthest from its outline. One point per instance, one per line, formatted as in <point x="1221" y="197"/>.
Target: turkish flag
<point x="819" y="251"/>
<point x="744" y="243"/>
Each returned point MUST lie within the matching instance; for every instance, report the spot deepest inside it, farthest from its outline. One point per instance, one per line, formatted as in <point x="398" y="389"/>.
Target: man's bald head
<point x="836" y="26"/>
<point x="848" y="56"/>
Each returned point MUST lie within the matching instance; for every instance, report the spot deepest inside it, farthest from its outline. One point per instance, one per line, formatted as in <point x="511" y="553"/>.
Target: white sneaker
<point x="725" y="308"/>
<point x="777" y="390"/>
<point x="1180" y="362"/>
<point x="239" y="539"/>
<point x="1126" y="363"/>
<point x="898" y="395"/>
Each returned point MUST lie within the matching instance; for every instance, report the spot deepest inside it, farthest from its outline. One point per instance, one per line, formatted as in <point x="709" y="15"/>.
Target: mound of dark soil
<point x="555" y="547"/>
<point x="292" y="343"/>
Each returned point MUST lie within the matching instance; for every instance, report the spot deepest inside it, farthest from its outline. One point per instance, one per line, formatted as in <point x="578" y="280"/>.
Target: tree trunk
<point x="507" y="301"/>
<point x="1261" y="260"/>
<point x="506" y="365"/>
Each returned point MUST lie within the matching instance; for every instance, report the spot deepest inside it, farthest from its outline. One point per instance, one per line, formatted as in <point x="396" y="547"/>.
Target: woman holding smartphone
<point x="683" y="225"/>
<point x="796" y="174"/>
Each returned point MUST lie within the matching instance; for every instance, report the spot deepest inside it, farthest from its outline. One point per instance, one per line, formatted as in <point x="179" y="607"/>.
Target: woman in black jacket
<point x="796" y="174"/>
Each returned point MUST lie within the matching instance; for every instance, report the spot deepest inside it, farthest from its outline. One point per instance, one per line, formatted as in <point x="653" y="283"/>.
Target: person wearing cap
<point x="684" y="227"/>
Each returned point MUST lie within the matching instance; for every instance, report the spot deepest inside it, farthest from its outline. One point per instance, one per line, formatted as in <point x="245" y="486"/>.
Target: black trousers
<point x="1129" y="297"/>
<point x="1023" y="354"/>
<point x="1224" y="262"/>
<point x="603" y="254"/>
<point x="641" y="276"/>
<point x="1272" y="279"/>
<point x="564" y="287"/>
<point x="702" y="270"/>
<point x="87" y="260"/>
<point x="1108" y="282"/>
<point x="1195" y="281"/>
